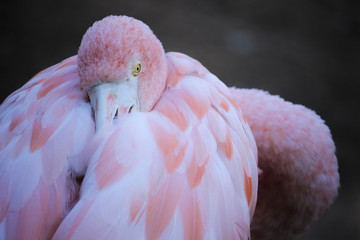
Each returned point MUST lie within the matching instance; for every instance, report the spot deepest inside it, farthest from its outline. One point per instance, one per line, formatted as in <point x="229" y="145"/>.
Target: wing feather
<point x="39" y="125"/>
<point x="188" y="169"/>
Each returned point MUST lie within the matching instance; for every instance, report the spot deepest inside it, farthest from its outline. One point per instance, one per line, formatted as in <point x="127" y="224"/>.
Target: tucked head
<point x="122" y="66"/>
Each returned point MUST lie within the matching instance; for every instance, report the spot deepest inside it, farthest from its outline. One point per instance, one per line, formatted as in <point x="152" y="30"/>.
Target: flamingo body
<point x="125" y="141"/>
<point x="187" y="169"/>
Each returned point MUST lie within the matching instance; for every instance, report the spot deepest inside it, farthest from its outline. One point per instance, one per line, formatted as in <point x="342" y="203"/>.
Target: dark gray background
<point x="306" y="51"/>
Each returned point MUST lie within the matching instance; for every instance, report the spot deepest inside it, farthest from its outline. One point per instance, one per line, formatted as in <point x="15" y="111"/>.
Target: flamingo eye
<point x="136" y="69"/>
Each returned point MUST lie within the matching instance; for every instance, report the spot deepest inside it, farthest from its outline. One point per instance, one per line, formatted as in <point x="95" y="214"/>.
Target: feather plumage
<point x="185" y="167"/>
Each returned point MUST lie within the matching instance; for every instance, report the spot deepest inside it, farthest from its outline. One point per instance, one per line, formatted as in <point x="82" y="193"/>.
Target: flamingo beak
<point x="111" y="100"/>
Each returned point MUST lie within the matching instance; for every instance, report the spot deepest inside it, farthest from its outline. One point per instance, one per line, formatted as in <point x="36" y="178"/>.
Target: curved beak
<point x="110" y="100"/>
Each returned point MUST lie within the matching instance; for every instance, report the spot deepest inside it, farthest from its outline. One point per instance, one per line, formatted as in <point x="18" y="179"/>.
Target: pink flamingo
<point x="125" y="141"/>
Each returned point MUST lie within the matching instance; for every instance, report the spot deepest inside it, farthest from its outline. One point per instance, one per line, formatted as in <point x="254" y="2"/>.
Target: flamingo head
<point x="122" y="66"/>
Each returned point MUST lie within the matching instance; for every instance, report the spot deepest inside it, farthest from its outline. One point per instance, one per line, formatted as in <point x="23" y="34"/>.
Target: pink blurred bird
<point x="125" y="141"/>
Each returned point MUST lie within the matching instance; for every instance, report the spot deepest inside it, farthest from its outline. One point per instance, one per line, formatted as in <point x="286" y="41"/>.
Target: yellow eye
<point x="136" y="69"/>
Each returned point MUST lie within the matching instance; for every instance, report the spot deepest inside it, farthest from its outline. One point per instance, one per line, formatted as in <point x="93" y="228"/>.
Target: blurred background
<point x="306" y="51"/>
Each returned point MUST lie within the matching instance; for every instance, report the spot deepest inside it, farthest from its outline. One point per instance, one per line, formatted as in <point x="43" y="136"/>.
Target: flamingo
<point x="127" y="141"/>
